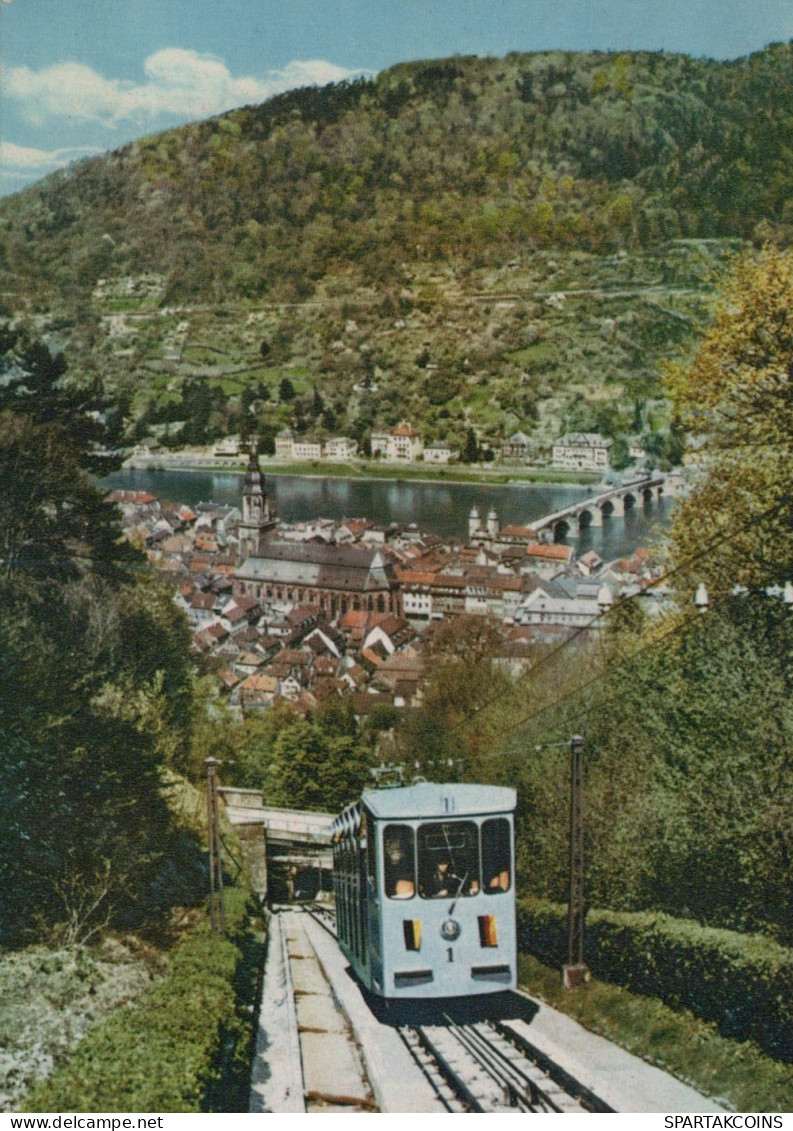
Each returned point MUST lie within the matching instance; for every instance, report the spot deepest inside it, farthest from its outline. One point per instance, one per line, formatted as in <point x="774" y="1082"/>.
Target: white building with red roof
<point x="402" y="443"/>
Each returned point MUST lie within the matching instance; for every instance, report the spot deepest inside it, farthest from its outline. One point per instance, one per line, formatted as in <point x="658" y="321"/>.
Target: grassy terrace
<point x="735" y="1073"/>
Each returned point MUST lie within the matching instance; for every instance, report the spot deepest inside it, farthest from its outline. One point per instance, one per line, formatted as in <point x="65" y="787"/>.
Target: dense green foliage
<point x="51" y="515"/>
<point x="736" y="1071"/>
<point x="687" y="719"/>
<point x="96" y="678"/>
<point x="743" y="982"/>
<point x="510" y="243"/>
<point x="322" y="763"/>
<point x="739" y="393"/>
<point x="688" y="792"/>
<point x="444" y="737"/>
<point x="184" y="1046"/>
<point x="436" y="159"/>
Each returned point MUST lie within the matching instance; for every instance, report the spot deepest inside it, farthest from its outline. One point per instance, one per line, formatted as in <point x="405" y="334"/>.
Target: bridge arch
<point x="562" y="529"/>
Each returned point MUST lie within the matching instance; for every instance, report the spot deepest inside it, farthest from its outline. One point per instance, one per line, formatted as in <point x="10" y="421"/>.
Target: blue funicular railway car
<point x="424" y="878"/>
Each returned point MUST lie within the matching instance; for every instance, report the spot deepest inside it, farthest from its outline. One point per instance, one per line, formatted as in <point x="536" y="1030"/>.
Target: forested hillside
<point x="507" y="242"/>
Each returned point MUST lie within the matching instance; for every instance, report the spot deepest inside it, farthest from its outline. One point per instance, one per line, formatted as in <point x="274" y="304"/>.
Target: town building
<point x="548" y="558"/>
<point x="283" y="444"/>
<point x="336" y="578"/>
<point x="582" y="451"/>
<point x="400" y="443"/>
<point x="290" y="446"/>
<point x="439" y="453"/>
<point x="306" y="447"/>
<point x="516" y="446"/>
<point x="341" y="447"/>
<point x="550" y="604"/>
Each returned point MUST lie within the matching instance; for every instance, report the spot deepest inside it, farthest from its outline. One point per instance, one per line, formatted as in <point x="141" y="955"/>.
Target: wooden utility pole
<point x="216" y="910"/>
<point x="575" y="972"/>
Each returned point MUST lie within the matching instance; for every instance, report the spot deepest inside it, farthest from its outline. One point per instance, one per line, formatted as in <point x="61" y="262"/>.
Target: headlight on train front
<point x="450" y="929"/>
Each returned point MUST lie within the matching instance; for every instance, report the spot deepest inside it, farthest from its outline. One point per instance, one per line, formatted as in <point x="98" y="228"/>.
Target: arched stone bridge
<point x="568" y="522"/>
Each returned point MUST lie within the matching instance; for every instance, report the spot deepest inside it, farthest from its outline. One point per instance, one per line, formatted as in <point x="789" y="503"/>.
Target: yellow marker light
<point x="412" y="932"/>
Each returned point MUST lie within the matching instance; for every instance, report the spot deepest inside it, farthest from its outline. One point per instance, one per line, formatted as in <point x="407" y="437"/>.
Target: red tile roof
<point x="551" y="551"/>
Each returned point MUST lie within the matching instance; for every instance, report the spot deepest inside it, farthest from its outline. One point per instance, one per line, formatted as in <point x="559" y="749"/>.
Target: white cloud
<point x="16" y="160"/>
<point x="179" y="83"/>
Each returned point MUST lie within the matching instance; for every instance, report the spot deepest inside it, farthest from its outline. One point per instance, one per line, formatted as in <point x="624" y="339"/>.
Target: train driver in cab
<point x="443" y="882"/>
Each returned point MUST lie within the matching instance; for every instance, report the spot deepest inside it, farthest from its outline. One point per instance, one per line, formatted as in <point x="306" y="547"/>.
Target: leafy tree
<point x="471" y="448"/>
<point x="696" y="819"/>
<point x="85" y="826"/>
<point x="199" y="400"/>
<point x="336" y="716"/>
<point x="267" y="440"/>
<point x="453" y="722"/>
<point x="319" y="770"/>
<point x="89" y="716"/>
<point x="664" y="450"/>
<point x="52" y="516"/>
<point x="253" y="764"/>
<point x="382" y="717"/>
<point x="688" y="790"/>
<point x="286" y="390"/>
<point x="737" y="525"/>
<point x="619" y="455"/>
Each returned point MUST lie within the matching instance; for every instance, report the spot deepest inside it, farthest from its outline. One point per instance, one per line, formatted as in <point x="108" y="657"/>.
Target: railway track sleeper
<point x="428" y="1066"/>
<point x="567" y="1084"/>
<point x="529" y="1090"/>
<point x="518" y="1076"/>
<point x="523" y="1084"/>
<point x="449" y="1070"/>
<point x="490" y="1060"/>
<point x="538" y="1090"/>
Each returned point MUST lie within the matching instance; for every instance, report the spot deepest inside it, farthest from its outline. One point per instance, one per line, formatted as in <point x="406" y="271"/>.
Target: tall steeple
<point x="257" y="518"/>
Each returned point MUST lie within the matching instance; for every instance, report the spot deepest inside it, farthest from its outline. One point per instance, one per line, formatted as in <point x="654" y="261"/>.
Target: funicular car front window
<point x="448" y="859"/>
<point x="399" y="862"/>
<point x="496" y="855"/>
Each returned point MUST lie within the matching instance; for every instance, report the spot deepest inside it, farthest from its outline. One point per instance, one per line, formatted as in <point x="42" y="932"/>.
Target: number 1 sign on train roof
<point x="434" y="799"/>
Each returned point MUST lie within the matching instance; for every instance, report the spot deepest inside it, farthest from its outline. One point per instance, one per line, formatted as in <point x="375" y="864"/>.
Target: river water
<point x="439" y="507"/>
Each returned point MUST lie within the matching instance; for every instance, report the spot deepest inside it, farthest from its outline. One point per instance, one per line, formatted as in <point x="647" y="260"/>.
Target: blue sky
<point x="83" y="76"/>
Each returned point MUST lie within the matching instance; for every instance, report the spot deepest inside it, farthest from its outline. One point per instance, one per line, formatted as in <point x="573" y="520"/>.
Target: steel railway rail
<point x="486" y="1066"/>
<point x="324" y="914"/>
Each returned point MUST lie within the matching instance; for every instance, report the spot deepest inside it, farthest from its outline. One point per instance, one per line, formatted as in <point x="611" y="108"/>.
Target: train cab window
<point x="496" y="856"/>
<point x="448" y="859"/>
<point x="399" y="862"/>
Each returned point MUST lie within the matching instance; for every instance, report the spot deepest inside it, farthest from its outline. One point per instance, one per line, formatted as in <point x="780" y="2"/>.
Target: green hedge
<point x="171" y="1050"/>
<point x="742" y="982"/>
